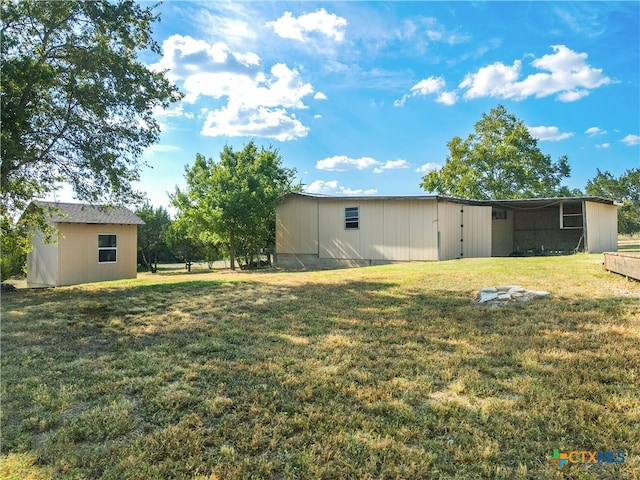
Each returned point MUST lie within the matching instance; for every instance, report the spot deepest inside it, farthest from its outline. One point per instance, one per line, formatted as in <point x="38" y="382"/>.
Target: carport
<point x="553" y="226"/>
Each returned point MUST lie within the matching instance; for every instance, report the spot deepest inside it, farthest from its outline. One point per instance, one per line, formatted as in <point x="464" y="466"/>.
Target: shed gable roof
<point x="84" y="213"/>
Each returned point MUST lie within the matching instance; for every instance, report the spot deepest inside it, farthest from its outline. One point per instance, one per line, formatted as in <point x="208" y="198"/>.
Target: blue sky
<point x="362" y="97"/>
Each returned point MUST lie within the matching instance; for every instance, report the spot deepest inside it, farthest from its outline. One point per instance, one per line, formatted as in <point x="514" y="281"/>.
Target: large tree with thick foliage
<point x="233" y="200"/>
<point x="626" y="189"/>
<point x="77" y="104"/>
<point x="499" y="160"/>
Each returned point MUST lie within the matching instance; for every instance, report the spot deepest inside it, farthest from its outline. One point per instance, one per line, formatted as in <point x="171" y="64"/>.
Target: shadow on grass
<point x="351" y="378"/>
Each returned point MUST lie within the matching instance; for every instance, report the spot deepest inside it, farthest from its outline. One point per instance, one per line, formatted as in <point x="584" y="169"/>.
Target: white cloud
<point x="231" y="20"/>
<point x="237" y="121"/>
<point x="159" y="148"/>
<point x="184" y="56"/>
<point x="341" y="163"/>
<point x="492" y="80"/>
<point x="593" y="131"/>
<point x="430" y="86"/>
<point x="549" y="134"/>
<point x="323" y="187"/>
<point x="391" y="165"/>
<point x="400" y="102"/>
<point x="317" y="116"/>
<point x="565" y="74"/>
<point x="320" y="96"/>
<point x="331" y="187"/>
<point x="283" y="88"/>
<point x="319" y="22"/>
<point x="358" y="191"/>
<point x="631" y="139"/>
<point x="427" y="167"/>
<point x="447" y="98"/>
<point x="257" y="103"/>
<point x="603" y="145"/>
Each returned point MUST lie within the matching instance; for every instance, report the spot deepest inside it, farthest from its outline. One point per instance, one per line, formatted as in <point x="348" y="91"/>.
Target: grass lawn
<point x="379" y="372"/>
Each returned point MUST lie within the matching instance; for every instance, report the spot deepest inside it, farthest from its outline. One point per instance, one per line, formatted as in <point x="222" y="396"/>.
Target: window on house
<point x="107" y="248"/>
<point x="351" y="218"/>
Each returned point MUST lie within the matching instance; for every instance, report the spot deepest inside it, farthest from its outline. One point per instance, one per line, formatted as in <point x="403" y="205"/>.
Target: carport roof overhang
<point x="534" y="203"/>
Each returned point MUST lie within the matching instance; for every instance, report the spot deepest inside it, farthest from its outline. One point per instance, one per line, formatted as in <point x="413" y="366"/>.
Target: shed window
<point x="351" y="218"/>
<point x="571" y="215"/>
<point x="498" y="214"/>
<point x="107" y="248"/>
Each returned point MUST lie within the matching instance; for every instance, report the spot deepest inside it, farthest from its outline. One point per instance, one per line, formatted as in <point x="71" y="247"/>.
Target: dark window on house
<point x="351" y="218"/>
<point x="497" y="214"/>
<point x="107" y="248"/>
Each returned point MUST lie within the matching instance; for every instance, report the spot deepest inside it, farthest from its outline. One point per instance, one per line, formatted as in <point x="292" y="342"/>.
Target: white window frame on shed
<point x="352" y="218"/>
<point x="107" y="248"/>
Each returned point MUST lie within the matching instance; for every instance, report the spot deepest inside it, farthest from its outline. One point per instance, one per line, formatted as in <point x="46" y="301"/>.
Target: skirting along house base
<point x="317" y="231"/>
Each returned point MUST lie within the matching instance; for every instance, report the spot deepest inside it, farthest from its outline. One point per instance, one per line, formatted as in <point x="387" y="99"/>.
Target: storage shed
<point x="94" y="243"/>
<point x="318" y="231"/>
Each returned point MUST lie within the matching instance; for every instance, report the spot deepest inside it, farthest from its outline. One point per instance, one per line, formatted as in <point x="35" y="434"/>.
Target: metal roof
<point x="83" y="213"/>
<point x="507" y="203"/>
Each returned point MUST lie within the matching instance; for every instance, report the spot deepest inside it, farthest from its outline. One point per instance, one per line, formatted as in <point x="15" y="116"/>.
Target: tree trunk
<point x="154" y="267"/>
<point x="146" y="263"/>
<point x="232" y="249"/>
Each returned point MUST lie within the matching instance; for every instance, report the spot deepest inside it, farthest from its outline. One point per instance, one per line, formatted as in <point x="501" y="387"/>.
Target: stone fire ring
<point x="497" y="296"/>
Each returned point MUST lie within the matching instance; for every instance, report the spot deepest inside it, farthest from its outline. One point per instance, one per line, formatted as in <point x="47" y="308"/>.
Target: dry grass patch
<point x="384" y="372"/>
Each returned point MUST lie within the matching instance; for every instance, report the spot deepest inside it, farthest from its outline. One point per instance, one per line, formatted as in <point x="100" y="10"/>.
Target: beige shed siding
<point x="371" y="238"/>
<point x="423" y="235"/>
<point x="601" y="228"/>
<point x="449" y="220"/>
<point x="338" y="242"/>
<point x="42" y="262"/>
<point x="297" y="226"/>
<point x="78" y="253"/>
<point x="471" y="224"/>
<point x="389" y="230"/>
<point x="396" y="227"/>
<point x="477" y="231"/>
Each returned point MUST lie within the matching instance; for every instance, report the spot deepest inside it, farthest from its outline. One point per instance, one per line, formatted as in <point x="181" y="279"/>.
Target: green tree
<point x="183" y="239"/>
<point x="152" y="235"/>
<point x="500" y="160"/>
<point x="625" y="189"/>
<point x="76" y="104"/>
<point x="234" y="199"/>
<point x="14" y="247"/>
